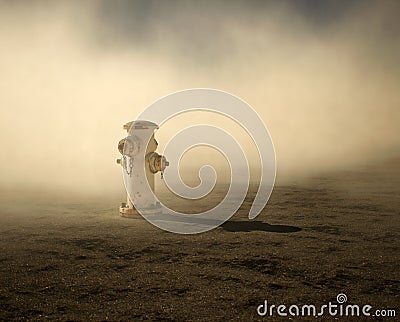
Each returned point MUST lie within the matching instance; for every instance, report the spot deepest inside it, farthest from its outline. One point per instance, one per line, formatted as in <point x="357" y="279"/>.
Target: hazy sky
<point x="323" y="75"/>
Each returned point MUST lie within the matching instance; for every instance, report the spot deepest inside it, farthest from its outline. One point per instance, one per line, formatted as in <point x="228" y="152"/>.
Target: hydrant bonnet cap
<point x="140" y="125"/>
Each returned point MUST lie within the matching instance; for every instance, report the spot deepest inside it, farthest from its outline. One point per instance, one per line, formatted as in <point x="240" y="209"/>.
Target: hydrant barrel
<point x="135" y="153"/>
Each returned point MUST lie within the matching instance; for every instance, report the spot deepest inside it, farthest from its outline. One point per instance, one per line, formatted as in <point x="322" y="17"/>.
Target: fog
<point x="324" y="80"/>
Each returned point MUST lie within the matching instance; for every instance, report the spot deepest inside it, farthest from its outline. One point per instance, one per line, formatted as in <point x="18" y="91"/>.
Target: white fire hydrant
<point x="134" y="154"/>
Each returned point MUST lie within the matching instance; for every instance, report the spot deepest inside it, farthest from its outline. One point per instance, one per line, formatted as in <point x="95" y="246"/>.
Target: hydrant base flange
<point x="130" y="212"/>
<point x="126" y="211"/>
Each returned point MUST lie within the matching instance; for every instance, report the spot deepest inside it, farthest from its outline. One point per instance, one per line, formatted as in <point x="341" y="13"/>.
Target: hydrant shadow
<point x="175" y="222"/>
<point x="248" y="226"/>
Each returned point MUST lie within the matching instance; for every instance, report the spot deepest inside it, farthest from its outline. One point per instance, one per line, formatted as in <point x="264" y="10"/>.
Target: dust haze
<point x="325" y="83"/>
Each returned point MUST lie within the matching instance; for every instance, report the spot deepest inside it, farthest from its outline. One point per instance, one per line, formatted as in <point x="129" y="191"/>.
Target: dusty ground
<point x="81" y="261"/>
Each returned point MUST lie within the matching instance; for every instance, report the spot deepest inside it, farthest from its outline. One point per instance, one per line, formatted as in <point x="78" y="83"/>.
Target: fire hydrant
<point x="135" y="154"/>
